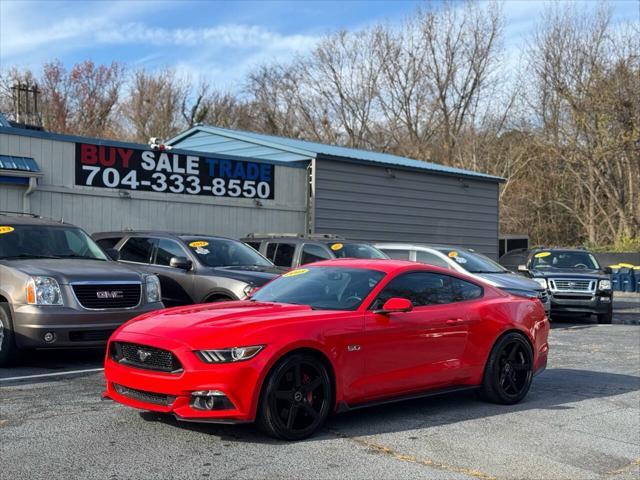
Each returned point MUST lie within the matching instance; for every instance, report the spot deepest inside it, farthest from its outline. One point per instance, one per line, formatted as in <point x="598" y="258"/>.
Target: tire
<point x="606" y="318"/>
<point x="296" y="399"/>
<point x="509" y="370"/>
<point x="8" y="350"/>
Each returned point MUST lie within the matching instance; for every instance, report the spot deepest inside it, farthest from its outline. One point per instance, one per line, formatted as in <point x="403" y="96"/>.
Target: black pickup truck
<point x="577" y="284"/>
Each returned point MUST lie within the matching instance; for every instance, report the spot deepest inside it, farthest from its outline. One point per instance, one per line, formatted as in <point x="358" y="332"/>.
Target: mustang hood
<point x="195" y="322"/>
<point x="68" y="270"/>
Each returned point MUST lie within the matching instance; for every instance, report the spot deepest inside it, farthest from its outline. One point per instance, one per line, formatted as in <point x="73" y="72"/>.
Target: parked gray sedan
<point x="193" y="268"/>
<point x="59" y="289"/>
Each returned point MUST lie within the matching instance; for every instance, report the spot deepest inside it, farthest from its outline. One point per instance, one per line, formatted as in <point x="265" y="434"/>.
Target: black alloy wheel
<point x="296" y="399"/>
<point x="509" y="371"/>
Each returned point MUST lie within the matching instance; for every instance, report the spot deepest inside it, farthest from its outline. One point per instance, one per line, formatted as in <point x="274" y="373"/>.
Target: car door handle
<point x="455" y="321"/>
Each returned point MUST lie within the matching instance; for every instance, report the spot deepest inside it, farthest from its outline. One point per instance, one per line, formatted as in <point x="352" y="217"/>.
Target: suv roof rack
<point x="314" y="236"/>
<point x="25" y="214"/>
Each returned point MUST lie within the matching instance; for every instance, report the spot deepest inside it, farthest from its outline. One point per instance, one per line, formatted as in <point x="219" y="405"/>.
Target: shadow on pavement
<point x="555" y="389"/>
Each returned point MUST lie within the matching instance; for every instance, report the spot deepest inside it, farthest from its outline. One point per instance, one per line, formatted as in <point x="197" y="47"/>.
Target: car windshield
<point x="44" y="241"/>
<point x="222" y="252"/>
<point x="473" y="262"/>
<point x="355" y="250"/>
<point x="564" y="259"/>
<point x="322" y="288"/>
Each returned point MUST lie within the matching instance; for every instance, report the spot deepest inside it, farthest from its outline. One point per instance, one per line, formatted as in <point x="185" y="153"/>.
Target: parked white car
<point x="472" y="263"/>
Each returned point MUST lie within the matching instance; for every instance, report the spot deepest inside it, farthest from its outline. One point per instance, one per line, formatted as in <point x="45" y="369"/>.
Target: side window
<point x="284" y="254"/>
<point x="254" y="245"/>
<point x="137" y="249"/>
<point x="397" y="254"/>
<point x="167" y="249"/>
<point x="431" y="259"/>
<point x="463" y="290"/>
<point x="313" y="253"/>
<point x="271" y="251"/>
<point x="108" y="242"/>
<point x="422" y="288"/>
<point x="74" y="242"/>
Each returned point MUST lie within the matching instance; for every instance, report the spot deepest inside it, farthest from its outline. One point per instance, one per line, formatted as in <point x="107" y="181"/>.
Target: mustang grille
<point x="145" y="357"/>
<point x="121" y="295"/>
<point x="573" y="285"/>
<point x="142" y="396"/>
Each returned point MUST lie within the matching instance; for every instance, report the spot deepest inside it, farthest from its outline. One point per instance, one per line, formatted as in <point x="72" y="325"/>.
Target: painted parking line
<point x="55" y="374"/>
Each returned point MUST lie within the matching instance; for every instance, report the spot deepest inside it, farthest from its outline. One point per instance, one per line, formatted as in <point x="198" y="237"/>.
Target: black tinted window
<point x="254" y="245"/>
<point x="420" y="288"/>
<point x="137" y="249"/>
<point x="108" y="242"/>
<point x="281" y="253"/>
<point x="424" y="288"/>
<point x="313" y="253"/>
<point x="166" y="250"/>
<point x="463" y="290"/>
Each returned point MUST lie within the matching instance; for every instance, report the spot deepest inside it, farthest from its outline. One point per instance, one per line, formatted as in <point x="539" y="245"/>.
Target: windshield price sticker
<point x="166" y="172"/>
<point x="5" y="229"/>
<point x="199" y="243"/>
<point x="295" y="273"/>
<point x="453" y="254"/>
<point x="337" y="246"/>
<point x="542" y="254"/>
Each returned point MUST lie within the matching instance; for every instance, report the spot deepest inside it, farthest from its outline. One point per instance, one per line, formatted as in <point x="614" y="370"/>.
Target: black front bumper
<point x="568" y="303"/>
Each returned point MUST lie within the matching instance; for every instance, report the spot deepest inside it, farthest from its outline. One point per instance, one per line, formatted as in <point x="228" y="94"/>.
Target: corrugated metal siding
<point x="96" y="209"/>
<point x="204" y="141"/>
<point x="11" y="197"/>
<point x="364" y="202"/>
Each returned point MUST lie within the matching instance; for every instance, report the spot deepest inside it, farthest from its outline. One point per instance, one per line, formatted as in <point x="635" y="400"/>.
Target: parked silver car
<point x="471" y="263"/>
<point x="59" y="289"/>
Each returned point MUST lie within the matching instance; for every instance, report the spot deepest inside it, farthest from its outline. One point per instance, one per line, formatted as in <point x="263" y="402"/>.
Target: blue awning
<point x="20" y="164"/>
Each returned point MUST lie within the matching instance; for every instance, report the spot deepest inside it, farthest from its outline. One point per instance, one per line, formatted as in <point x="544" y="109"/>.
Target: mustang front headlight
<point x="43" y="291"/>
<point x="152" y="289"/>
<point x="541" y="281"/>
<point x="604" y="285"/>
<point x="229" y="355"/>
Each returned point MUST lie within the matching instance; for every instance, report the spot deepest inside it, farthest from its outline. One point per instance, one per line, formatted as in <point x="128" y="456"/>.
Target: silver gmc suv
<point x="59" y="289"/>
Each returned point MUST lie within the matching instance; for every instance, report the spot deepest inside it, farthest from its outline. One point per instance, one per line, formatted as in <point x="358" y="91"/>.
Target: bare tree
<point x="154" y="105"/>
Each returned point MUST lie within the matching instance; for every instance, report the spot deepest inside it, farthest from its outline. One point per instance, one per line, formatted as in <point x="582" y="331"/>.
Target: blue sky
<point x="217" y="40"/>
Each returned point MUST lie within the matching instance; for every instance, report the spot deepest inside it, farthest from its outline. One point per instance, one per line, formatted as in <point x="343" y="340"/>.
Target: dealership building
<point x="226" y="182"/>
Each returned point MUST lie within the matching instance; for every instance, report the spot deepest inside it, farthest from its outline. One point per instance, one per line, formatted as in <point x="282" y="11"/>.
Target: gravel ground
<point x="580" y="420"/>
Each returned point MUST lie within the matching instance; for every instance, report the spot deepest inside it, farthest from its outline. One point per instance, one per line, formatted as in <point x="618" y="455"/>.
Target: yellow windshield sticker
<point x="199" y="244"/>
<point x="625" y="265"/>
<point x="542" y="254"/>
<point x="5" y="229"/>
<point x="295" y="273"/>
<point x="452" y="254"/>
<point x="336" y="246"/>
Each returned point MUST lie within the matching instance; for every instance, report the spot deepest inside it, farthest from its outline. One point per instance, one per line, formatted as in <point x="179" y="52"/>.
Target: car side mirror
<point x="112" y="253"/>
<point x="180" y="262"/>
<point x="522" y="268"/>
<point x="395" y="305"/>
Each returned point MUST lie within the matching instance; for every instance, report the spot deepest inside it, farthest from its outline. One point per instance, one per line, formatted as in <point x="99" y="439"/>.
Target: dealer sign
<point x="164" y="171"/>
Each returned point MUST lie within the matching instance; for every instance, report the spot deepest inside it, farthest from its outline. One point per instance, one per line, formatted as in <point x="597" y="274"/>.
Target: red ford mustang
<point x="325" y="338"/>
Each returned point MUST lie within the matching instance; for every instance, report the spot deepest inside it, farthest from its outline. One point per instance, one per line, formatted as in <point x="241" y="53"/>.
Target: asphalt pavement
<point x="580" y="420"/>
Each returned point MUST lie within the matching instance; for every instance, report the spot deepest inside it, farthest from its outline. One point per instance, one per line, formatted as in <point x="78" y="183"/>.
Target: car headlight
<point x="152" y="289"/>
<point x="604" y="285"/>
<point x="229" y="355"/>
<point x="43" y="291"/>
<point x="541" y="281"/>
